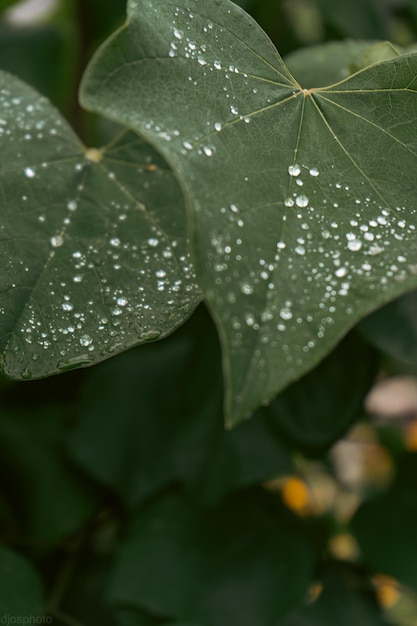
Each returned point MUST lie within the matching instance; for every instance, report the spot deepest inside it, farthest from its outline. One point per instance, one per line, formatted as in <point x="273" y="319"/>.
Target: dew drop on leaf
<point x="85" y="341"/>
<point x="294" y="170"/>
<point x="29" y="172"/>
<point x="301" y="201"/>
<point x="56" y="241"/>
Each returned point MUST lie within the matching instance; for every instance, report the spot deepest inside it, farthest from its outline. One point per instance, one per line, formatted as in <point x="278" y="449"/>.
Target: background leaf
<point x="236" y="564"/>
<point x="342" y="601"/>
<point x="21" y="593"/>
<point x="343" y="18"/>
<point x="94" y="247"/>
<point x="297" y="233"/>
<point x="49" y="499"/>
<point x="327" y="63"/>
<point x="314" y="411"/>
<point x="393" y="328"/>
<point x="149" y="439"/>
<point x="385" y="526"/>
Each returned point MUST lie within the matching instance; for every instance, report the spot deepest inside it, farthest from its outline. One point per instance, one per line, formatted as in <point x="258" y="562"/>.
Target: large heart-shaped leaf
<point x="302" y="201"/>
<point x="94" y="256"/>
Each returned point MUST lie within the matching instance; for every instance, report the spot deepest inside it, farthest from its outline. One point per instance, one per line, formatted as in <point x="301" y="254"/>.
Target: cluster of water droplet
<point x="333" y="243"/>
<point x="97" y="270"/>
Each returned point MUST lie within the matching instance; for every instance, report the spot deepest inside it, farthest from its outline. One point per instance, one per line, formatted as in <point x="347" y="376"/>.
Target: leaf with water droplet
<point x="94" y="253"/>
<point x="329" y="173"/>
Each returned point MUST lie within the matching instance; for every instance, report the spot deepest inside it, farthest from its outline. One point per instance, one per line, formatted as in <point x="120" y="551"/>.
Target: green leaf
<point x="210" y="460"/>
<point x="36" y="55"/>
<point x="321" y="65"/>
<point x="233" y="565"/>
<point x="86" y="596"/>
<point x="49" y="496"/>
<point x="385" y="527"/>
<point x="134" y="617"/>
<point x="149" y="439"/>
<point x="94" y="250"/>
<point x="132" y="401"/>
<point x="393" y="328"/>
<point x="21" y="593"/>
<point x="341" y="602"/>
<point x="343" y="16"/>
<point x="381" y="51"/>
<point x="302" y="202"/>
<point x="314" y="411"/>
<point x="4" y="4"/>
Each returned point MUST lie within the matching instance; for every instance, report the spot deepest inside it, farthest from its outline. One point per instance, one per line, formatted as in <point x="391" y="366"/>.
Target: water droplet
<point x="149" y="335"/>
<point x="85" y="341"/>
<point x="72" y="205"/>
<point x="301" y="201"/>
<point x="294" y="170"/>
<point x="354" y="245"/>
<point x="314" y="171"/>
<point x="29" y="172"/>
<point x="289" y="202"/>
<point x="217" y="126"/>
<point x="286" y="314"/>
<point x="71" y="363"/>
<point x="341" y="271"/>
<point x="234" y="110"/>
<point x="67" y="306"/>
<point x="178" y="33"/>
<point x="246" y="288"/>
<point x="153" y="242"/>
<point x="122" y="301"/>
<point x="115" y="242"/>
<point x="249" y="319"/>
<point x="208" y="151"/>
<point x="56" y="241"/>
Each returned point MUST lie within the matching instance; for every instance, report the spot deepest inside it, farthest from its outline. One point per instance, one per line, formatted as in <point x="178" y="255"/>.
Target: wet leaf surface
<point x="302" y="201"/>
<point x="94" y="252"/>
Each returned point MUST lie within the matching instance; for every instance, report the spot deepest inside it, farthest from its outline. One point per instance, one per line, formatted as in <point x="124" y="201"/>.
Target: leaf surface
<point x="302" y="201"/>
<point x="93" y="246"/>
<point x="341" y="601"/>
<point x="390" y="521"/>
<point x="393" y="329"/>
<point x="235" y="564"/>
<point x="51" y="500"/>
<point x="21" y="592"/>
<point x="315" y="410"/>
<point x="149" y="439"/>
<point x="323" y="64"/>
